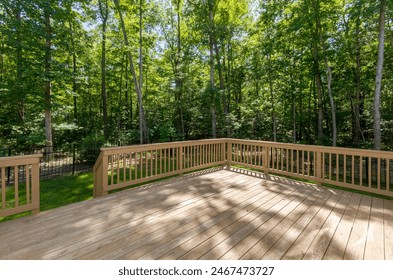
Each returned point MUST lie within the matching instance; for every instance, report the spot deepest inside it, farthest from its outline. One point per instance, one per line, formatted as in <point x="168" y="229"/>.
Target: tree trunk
<point x="19" y="64"/>
<point x="329" y="82"/>
<point x="222" y="88"/>
<point x="211" y="62"/>
<point x="48" y="78"/>
<point x="293" y="95"/>
<point x="318" y="83"/>
<point x="74" y="73"/>
<point x="120" y="105"/>
<point x="356" y="126"/>
<point x="378" y="78"/>
<point x="178" y="76"/>
<point x="317" y="74"/>
<point x="141" y="140"/>
<point x="2" y="63"/>
<point x="274" y="121"/>
<point x="142" y="121"/>
<point x="103" y="4"/>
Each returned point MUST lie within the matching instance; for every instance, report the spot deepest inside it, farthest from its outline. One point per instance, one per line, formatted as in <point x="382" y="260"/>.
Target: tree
<point x="142" y="122"/>
<point x="48" y="78"/>
<point x="378" y="77"/>
<point x="104" y="12"/>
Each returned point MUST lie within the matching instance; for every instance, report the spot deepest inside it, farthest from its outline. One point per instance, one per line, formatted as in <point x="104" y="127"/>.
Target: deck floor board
<point x="211" y="214"/>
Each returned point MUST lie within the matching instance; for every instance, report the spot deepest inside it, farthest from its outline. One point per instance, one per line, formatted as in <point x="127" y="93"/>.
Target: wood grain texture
<point x="212" y="214"/>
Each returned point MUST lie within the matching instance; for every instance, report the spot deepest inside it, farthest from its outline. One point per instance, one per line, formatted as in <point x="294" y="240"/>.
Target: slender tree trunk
<point x="317" y="73"/>
<point x="104" y="11"/>
<point x="74" y="73"/>
<point x="119" y="109"/>
<point x="357" y="130"/>
<point x="222" y="87"/>
<point x="2" y="63"/>
<point x="141" y="57"/>
<point x="48" y="78"/>
<point x="129" y="98"/>
<point x="211" y="62"/>
<point x="142" y="121"/>
<point x="318" y="84"/>
<point x="329" y="84"/>
<point x="229" y="74"/>
<point x="274" y="119"/>
<point x="19" y="63"/>
<point x="293" y="95"/>
<point x="378" y="78"/>
<point x="178" y="75"/>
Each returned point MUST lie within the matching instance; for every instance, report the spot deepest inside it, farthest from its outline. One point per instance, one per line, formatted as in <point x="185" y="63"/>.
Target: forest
<point x="141" y="71"/>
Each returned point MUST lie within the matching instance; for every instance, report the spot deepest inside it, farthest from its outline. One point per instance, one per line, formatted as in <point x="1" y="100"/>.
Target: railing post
<point x="318" y="168"/>
<point x="100" y="170"/>
<point x="98" y="190"/>
<point x="104" y="174"/>
<point x="35" y="187"/>
<point x="266" y="162"/>
<point x="227" y="152"/>
<point x="181" y="160"/>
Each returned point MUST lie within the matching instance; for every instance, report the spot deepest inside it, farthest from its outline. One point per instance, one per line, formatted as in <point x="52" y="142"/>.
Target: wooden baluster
<point x="112" y="168"/>
<point x="16" y="185"/>
<point x="369" y="172"/>
<point x="130" y="166"/>
<point x="388" y="174"/>
<point x="361" y="171"/>
<point x="35" y="187"/>
<point x="27" y="168"/>
<point x="345" y="169"/>
<point x="337" y="167"/>
<point x="353" y="170"/>
<point x="379" y="174"/>
<point x="3" y="189"/>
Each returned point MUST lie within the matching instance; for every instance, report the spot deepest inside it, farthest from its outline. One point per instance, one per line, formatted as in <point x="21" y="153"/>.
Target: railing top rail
<point x="326" y="149"/>
<point x="98" y="162"/>
<point x="316" y="148"/>
<point x="112" y="150"/>
<point x="19" y="160"/>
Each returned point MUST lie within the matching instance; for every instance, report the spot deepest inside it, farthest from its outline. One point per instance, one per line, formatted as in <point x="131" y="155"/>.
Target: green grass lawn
<point x="57" y="192"/>
<point x="60" y="191"/>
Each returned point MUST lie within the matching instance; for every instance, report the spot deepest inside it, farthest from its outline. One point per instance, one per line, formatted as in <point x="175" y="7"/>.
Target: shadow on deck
<point x="211" y="214"/>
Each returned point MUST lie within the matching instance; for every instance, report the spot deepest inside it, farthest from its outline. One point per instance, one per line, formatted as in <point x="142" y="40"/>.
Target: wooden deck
<point x="214" y="214"/>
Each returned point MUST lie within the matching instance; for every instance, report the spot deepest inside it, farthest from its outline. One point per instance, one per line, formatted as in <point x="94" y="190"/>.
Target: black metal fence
<point x="69" y="160"/>
<point x="55" y="161"/>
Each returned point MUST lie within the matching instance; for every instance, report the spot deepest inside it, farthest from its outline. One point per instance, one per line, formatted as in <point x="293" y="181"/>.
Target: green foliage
<point x="264" y="53"/>
<point x="90" y="148"/>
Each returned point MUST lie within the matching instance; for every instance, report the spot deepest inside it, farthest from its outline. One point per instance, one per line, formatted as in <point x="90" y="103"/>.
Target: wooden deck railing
<point x="20" y="196"/>
<point x="364" y="170"/>
<point x="120" y="167"/>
